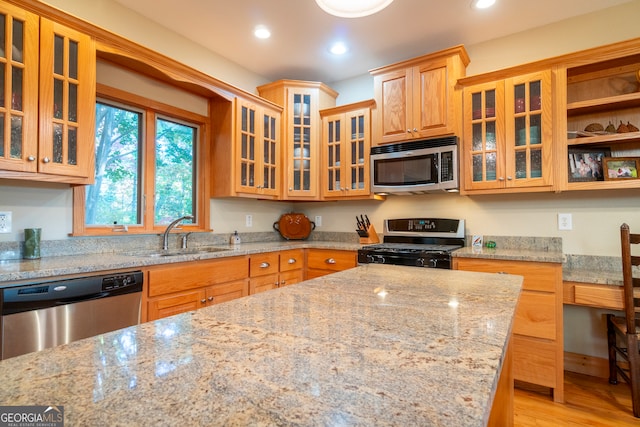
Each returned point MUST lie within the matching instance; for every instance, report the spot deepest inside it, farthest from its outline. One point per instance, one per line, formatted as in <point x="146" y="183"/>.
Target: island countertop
<point x="374" y="345"/>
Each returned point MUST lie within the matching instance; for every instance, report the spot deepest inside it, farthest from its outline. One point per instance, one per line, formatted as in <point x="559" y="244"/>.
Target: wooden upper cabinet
<point x="417" y="98"/>
<point x="507" y="143"/>
<point x="48" y="107"/>
<point x="247" y="150"/>
<point x="346" y="144"/>
<point x="302" y="102"/>
<point x="19" y="88"/>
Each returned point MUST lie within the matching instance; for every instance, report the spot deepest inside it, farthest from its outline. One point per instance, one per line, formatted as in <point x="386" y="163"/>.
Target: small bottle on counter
<point x="235" y="239"/>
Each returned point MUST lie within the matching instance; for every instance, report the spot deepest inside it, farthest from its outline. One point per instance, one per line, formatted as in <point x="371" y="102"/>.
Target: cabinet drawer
<point x="534" y="361"/>
<point x="538" y="276"/>
<point x="191" y="275"/>
<point x="536" y="315"/>
<point x="322" y="259"/>
<point x="291" y="260"/>
<point x="261" y="264"/>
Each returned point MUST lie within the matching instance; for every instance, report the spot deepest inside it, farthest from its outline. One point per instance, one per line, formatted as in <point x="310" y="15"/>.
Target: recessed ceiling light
<point x="482" y="4"/>
<point x="353" y="8"/>
<point x="338" y="48"/>
<point x="261" y="32"/>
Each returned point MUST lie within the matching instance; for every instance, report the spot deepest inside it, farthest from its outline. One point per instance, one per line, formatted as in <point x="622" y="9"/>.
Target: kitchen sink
<point x="176" y="252"/>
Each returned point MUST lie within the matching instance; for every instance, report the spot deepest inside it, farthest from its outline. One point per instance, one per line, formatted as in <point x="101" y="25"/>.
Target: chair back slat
<point x="631" y="302"/>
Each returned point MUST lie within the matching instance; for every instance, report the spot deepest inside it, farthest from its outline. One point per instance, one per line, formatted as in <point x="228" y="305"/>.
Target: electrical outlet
<point x="5" y="222"/>
<point x="565" y="221"/>
<point x="248" y="220"/>
<point x="318" y="221"/>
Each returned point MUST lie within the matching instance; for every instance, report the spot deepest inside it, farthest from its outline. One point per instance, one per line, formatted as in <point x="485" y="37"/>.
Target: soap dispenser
<point x="235" y="239"/>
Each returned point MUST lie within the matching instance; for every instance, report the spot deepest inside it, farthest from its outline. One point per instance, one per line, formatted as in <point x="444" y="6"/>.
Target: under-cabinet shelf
<point x="605" y="139"/>
<point x="628" y="100"/>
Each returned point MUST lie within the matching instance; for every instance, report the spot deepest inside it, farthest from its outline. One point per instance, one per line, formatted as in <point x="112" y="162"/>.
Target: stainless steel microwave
<point x="415" y="167"/>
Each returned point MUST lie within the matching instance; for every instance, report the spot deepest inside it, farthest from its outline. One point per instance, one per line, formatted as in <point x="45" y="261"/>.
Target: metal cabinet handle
<point x="46" y="160"/>
<point x="501" y="179"/>
<point x="509" y="178"/>
<point x="292" y="261"/>
<point x="415" y="129"/>
<point x="203" y="301"/>
<point x="330" y="261"/>
<point x="210" y="298"/>
<point x="408" y="130"/>
<point x="265" y="265"/>
<point x="31" y="158"/>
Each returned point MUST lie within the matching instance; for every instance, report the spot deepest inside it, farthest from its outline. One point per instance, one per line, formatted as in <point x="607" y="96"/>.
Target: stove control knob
<point x="420" y="262"/>
<point x="370" y="259"/>
<point x="433" y="263"/>
<point x="380" y="259"/>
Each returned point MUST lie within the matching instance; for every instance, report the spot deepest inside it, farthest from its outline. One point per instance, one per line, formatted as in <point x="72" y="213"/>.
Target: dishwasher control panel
<point x="110" y="283"/>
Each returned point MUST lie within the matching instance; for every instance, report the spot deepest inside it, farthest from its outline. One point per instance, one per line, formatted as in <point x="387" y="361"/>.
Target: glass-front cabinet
<point x="19" y="31"/>
<point x="346" y="142"/>
<point x="67" y="100"/>
<point x="301" y="101"/>
<point x="47" y="99"/>
<point x="507" y="134"/>
<point x="258" y="137"/>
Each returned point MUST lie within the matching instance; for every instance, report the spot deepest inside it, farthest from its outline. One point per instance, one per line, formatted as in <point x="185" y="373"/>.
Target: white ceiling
<point x="302" y="32"/>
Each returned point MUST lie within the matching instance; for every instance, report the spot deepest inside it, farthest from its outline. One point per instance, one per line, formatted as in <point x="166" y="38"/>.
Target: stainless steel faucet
<point x="165" y="236"/>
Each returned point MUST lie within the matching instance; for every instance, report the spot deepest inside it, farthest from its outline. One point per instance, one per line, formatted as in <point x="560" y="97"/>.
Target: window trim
<point x="152" y="109"/>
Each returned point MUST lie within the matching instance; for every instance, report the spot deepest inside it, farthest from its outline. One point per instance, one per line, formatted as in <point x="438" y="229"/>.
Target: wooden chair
<point x="622" y="332"/>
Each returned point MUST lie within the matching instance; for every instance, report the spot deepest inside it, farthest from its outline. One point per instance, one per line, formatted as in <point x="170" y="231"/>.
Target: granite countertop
<point x="373" y="345"/>
<point x="514" y="254"/>
<point x="20" y="269"/>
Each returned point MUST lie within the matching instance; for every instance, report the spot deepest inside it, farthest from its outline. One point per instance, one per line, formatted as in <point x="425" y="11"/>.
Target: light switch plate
<point x="565" y="221"/>
<point x="5" y="222"/>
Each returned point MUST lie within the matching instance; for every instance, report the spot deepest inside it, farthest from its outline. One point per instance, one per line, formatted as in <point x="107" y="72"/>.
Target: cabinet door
<point x="394" y="106"/>
<point x="258" y="150"/>
<point x="333" y="142"/>
<point x="430" y="100"/>
<point x="528" y="130"/>
<point x="67" y="101"/>
<point x="356" y="152"/>
<point x="263" y="283"/>
<point x="18" y="89"/>
<point x="166" y="306"/>
<point x="270" y="152"/>
<point x="483" y="145"/>
<point x="227" y="291"/>
<point x="247" y="139"/>
<point x="291" y="277"/>
<point x="302" y="141"/>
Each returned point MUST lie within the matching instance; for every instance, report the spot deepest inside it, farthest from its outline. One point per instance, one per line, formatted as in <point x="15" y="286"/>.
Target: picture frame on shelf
<point x="587" y="164"/>
<point x="621" y="168"/>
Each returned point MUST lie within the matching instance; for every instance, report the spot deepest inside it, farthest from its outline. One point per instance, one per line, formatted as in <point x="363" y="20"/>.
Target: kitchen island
<point x="374" y="345"/>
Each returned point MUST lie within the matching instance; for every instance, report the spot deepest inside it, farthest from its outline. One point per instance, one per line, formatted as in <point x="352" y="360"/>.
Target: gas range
<point x="417" y="242"/>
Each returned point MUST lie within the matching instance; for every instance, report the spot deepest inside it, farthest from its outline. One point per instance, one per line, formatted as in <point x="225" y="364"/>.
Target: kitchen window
<point x="149" y="168"/>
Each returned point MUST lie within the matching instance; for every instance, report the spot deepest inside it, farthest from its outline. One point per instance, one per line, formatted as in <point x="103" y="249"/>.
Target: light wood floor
<point x="589" y="401"/>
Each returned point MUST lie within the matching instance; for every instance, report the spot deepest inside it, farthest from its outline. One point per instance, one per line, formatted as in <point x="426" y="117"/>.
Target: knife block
<point x="373" y="236"/>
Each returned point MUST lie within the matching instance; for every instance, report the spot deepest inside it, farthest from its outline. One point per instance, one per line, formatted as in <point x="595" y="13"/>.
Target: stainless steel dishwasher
<point x="42" y="314"/>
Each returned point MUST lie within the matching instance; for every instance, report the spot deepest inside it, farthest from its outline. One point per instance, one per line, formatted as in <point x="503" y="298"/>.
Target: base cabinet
<point x="538" y="351"/>
<point x="189" y="286"/>
<point x="321" y="262"/>
<point x="275" y="269"/>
